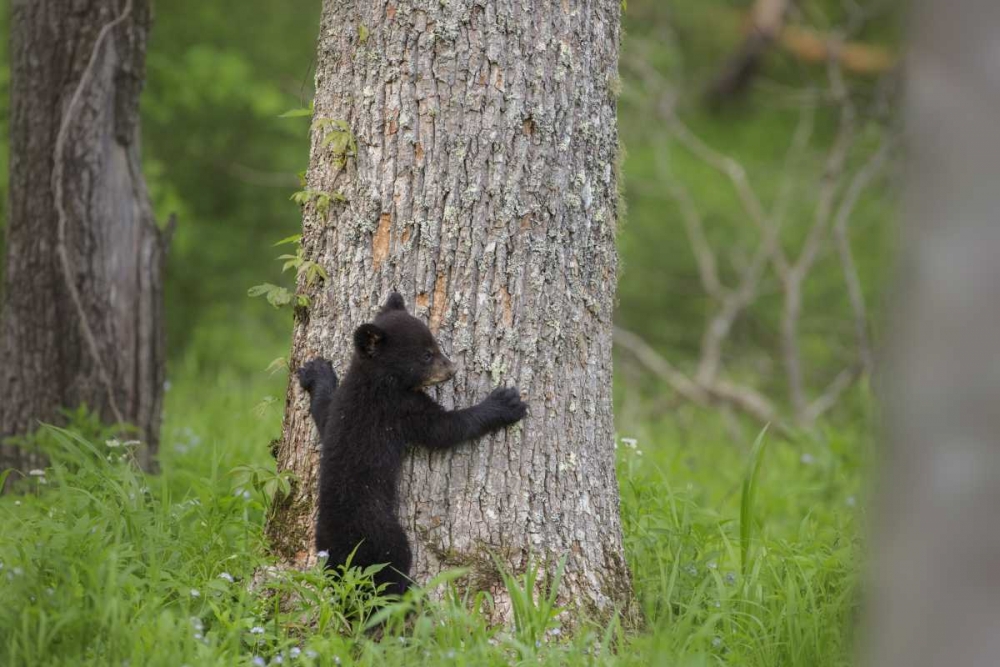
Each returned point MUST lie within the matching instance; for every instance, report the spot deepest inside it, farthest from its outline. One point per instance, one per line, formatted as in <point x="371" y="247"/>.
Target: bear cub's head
<point x="401" y="347"/>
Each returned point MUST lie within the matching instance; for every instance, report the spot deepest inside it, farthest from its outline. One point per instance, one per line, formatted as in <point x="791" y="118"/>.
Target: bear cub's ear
<point x="394" y="302"/>
<point x="368" y="338"/>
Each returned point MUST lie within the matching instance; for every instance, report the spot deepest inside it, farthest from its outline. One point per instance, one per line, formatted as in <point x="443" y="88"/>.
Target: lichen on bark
<point x="483" y="190"/>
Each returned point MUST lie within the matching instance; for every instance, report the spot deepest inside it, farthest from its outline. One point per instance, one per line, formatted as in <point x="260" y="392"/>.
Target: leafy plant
<point x="339" y="138"/>
<point x="269" y="483"/>
<point x="748" y="497"/>
<point x="318" y="198"/>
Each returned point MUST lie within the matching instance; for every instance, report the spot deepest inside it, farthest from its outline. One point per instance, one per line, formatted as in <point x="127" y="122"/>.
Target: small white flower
<point x="131" y="443"/>
<point x="295" y="651"/>
<point x="256" y="630"/>
<point x="450" y="654"/>
<point x="17" y="571"/>
<point x="113" y="443"/>
<point x="36" y="472"/>
<point x="247" y="495"/>
<point x="278" y="659"/>
<point x="336" y="658"/>
<point x="313" y="655"/>
<point x="196" y="623"/>
<point x="198" y="635"/>
<point x="712" y="565"/>
<point x="259" y="661"/>
<point x="17" y="503"/>
<point x="807" y="459"/>
<point x="630" y="442"/>
<point x="716" y="642"/>
<point x="195" y="593"/>
<point x="228" y="577"/>
<point x="323" y="554"/>
<point x="555" y="632"/>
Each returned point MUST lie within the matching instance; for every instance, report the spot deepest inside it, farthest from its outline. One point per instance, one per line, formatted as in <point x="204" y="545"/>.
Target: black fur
<point x="366" y="423"/>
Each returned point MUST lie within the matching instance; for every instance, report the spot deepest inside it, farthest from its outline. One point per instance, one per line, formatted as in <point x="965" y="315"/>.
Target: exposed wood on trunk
<point x="484" y="189"/>
<point x="82" y="318"/>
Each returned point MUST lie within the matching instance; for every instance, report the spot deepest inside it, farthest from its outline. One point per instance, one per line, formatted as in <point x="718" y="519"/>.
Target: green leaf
<point x="294" y="238"/>
<point x="275" y="295"/>
<point x="299" y="113"/>
<point x="748" y="497"/>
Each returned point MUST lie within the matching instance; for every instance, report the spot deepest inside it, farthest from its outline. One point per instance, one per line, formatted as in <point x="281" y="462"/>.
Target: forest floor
<point x="101" y="565"/>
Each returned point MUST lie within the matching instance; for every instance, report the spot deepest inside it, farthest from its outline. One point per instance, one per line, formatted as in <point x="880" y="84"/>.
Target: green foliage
<point x="218" y="76"/>
<point x="266" y="481"/>
<point x="311" y="272"/>
<point x="339" y="138"/>
<point x="747" y="499"/>
<point x="532" y="617"/>
<point x="304" y="112"/>
<point x="278" y="296"/>
<point x="321" y="200"/>
<point x="102" y="564"/>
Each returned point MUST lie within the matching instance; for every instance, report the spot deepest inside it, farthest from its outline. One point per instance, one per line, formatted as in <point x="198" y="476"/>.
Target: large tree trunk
<point x="82" y="311"/>
<point x="484" y="189"/>
<point x="935" y="583"/>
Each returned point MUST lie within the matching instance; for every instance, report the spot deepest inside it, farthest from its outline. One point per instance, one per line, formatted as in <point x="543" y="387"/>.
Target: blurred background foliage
<point x="218" y="156"/>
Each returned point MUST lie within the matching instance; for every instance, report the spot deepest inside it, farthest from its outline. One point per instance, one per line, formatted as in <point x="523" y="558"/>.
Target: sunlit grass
<point x="104" y="566"/>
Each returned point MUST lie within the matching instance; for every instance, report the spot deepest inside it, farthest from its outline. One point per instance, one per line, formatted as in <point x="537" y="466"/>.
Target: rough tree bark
<point x="935" y="583"/>
<point x="484" y="189"/>
<point x="82" y="310"/>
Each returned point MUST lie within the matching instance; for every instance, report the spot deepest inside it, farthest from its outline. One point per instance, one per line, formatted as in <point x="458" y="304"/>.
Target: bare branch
<point x="858" y="184"/>
<point x="694" y="226"/>
<point x="829" y="397"/>
<point x="742" y="398"/>
<point x="797" y="146"/>
<point x="721" y="324"/>
<point x="794" y="278"/>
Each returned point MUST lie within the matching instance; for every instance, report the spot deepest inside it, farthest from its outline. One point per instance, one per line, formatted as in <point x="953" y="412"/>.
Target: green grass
<point x="104" y="566"/>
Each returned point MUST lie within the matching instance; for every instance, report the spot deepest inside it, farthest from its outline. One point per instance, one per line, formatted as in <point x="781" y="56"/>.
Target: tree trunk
<point x="82" y="311"/>
<point x="484" y="189"/>
<point x="935" y="582"/>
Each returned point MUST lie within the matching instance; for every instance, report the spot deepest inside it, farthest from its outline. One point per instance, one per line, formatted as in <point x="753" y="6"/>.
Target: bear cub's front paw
<point x="507" y="403"/>
<point x="314" y="372"/>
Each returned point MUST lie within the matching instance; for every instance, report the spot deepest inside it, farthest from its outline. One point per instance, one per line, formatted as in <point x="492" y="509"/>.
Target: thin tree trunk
<point x="935" y="581"/>
<point x="484" y="189"/>
<point x="82" y="312"/>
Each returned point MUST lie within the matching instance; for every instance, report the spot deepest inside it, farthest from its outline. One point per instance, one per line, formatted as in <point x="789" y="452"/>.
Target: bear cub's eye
<point x="428" y="355"/>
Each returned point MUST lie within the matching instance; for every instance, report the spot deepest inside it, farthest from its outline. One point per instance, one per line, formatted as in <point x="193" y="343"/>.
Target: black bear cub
<point x="365" y="424"/>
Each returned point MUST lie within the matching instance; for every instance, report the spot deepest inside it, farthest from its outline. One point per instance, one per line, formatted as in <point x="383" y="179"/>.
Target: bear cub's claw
<point x="508" y="404"/>
<point x="315" y="371"/>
